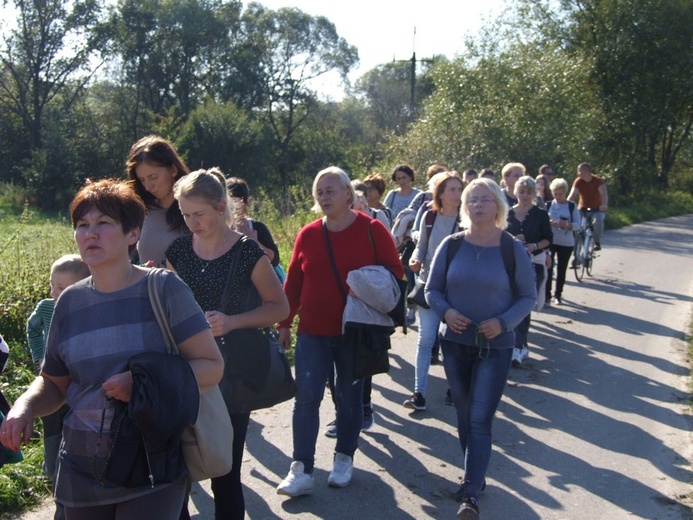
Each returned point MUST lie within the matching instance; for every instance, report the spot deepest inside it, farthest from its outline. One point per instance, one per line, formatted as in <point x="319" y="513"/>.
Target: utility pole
<point x="412" y="78"/>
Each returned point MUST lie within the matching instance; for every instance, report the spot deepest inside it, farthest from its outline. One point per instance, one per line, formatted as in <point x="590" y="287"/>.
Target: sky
<point x="383" y="30"/>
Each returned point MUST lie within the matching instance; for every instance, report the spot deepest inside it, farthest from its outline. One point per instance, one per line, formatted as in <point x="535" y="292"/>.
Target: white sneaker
<point x="340" y="476"/>
<point x="524" y="353"/>
<point x="297" y="482"/>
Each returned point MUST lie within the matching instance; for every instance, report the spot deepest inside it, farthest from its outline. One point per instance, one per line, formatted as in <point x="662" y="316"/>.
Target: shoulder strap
<point x="571" y="208"/>
<point x="508" y="254"/>
<point x="453" y="247"/>
<point x="154" y="285"/>
<point x="429" y="219"/>
<point x="548" y="205"/>
<point x="223" y="304"/>
<point x="334" y="264"/>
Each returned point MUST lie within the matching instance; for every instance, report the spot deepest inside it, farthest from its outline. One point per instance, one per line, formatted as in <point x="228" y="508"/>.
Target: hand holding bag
<point x="257" y="373"/>
<point x="206" y="444"/>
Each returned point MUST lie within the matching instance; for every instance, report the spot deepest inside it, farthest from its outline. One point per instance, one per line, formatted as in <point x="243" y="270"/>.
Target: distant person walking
<point x="564" y="218"/>
<point x="399" y="199"/>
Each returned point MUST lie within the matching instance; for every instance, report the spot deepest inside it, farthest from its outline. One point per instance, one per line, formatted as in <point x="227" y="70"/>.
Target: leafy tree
<point x="493" y="105"/>
<point x="387" y="91"/>
<point x="292" y="49"/>
<point x="47" y="55"/>
<point x="228" y="137"/>
<point x="640" y="67"/>
<point x="167" y="52"/>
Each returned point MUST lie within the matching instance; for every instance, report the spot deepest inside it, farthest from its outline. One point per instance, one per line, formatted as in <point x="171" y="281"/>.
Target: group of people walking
<point x="480" y="285"/>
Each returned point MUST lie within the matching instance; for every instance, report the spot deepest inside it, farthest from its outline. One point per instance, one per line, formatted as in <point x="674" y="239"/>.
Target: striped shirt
<point x="37" y="327"/>
<point x="92" y="337"/>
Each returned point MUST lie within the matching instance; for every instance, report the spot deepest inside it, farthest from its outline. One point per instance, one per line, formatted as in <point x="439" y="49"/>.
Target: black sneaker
<point x="459" y="494"/>
<point x="368" y="419"/>
<point x="597" y="246"/>
<point x="415" y="402"/>
<point x="469" y="510"/>
<point x="448" y="398"/>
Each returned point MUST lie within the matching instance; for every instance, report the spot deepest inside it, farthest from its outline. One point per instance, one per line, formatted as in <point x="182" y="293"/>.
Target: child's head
<point x="65" y="271"/>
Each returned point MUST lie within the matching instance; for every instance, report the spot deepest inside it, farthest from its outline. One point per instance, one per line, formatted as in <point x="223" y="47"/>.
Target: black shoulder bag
<point x="257" y="373"/>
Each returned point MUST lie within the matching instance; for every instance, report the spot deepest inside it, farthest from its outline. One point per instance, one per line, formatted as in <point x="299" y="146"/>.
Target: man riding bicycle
<point x="594" y="199"/>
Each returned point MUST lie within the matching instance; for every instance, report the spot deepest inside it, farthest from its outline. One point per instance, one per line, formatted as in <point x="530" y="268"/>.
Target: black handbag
<point x="416" y="295"/>
<point x="257" y="372"/>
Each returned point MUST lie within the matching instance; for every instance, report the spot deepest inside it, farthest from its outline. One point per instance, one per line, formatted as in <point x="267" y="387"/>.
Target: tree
<point x="47" y="55"/>
<point x="495" y="104"/>
<point x="168" y="52"/>
<point x="228" y="137"/>
<point x="387" y="91"/>
<point x="292" y="49"/>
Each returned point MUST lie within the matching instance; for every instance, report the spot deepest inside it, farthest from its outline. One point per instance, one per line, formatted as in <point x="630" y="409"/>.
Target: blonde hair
<point x="559" y="183"/>
<point x="510" y="166"/>
<point x="72" y="264"/>
<point x="501" y="204"/>
<point x="344" y="181"/>
<point x="526" y="182"/>
<point x="210" y="186"/>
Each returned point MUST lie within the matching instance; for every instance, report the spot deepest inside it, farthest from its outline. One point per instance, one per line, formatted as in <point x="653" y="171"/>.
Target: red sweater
<point x="310" y="284"/>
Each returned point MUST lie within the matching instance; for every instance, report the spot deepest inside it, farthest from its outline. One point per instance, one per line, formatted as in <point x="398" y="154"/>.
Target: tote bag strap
<point x="332" y="261"/>
<point x="154" y="282"/>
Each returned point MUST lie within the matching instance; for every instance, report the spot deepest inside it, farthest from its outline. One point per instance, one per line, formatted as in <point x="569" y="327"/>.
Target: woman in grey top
<point x="436" y="224"/>
<point x="99" y="324"/>
<point x="153" y="167"/>
<point x="479" y="306"/>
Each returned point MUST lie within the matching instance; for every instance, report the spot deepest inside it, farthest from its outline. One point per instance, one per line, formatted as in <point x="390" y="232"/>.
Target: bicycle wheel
<point x="578" y="260"/>
<point x="589" y="263"/>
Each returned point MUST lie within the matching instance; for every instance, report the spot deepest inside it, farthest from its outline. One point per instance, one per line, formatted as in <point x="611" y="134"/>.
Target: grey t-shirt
<point x="156" y="236"/>
<point x="426" y="248"/>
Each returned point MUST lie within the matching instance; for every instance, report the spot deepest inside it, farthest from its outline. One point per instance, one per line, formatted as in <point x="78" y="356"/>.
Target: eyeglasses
<point x="484" y="201"/>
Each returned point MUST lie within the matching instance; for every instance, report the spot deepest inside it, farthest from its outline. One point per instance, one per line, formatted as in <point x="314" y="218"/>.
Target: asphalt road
<point x="594" y="425"/>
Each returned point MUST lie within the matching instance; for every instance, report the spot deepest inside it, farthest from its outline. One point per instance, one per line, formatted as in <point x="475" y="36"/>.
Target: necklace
<point x="478" y="251"/>
<point x="205" y="264"/>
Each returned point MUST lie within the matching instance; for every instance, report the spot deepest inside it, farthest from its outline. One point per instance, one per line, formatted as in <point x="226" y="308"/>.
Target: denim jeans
<point x="597" y="224"/>
<point x="315" y="356"/>
<point x="476" y="383"/>
<point x="428" y="330"/>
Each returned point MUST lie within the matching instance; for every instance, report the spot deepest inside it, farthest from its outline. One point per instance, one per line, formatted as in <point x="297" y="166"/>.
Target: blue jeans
<point x="477" y="385"/>
<point x="428" y="330"/>
<point x="315" y="356"/>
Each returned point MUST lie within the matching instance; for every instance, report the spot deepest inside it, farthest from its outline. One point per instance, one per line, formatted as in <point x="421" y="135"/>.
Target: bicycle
<point x="584" y="246"/>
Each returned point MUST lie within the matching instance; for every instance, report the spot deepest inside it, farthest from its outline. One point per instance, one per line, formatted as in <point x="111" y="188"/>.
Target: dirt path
<point x="595" y="425"/>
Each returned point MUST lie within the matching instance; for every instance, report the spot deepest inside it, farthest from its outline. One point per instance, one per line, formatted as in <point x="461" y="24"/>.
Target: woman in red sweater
<point x="356" y="241"/>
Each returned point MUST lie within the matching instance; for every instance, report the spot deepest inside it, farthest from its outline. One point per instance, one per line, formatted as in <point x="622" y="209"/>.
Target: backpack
<point x="571" y="207"/>
<point x="507" y="252"/>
